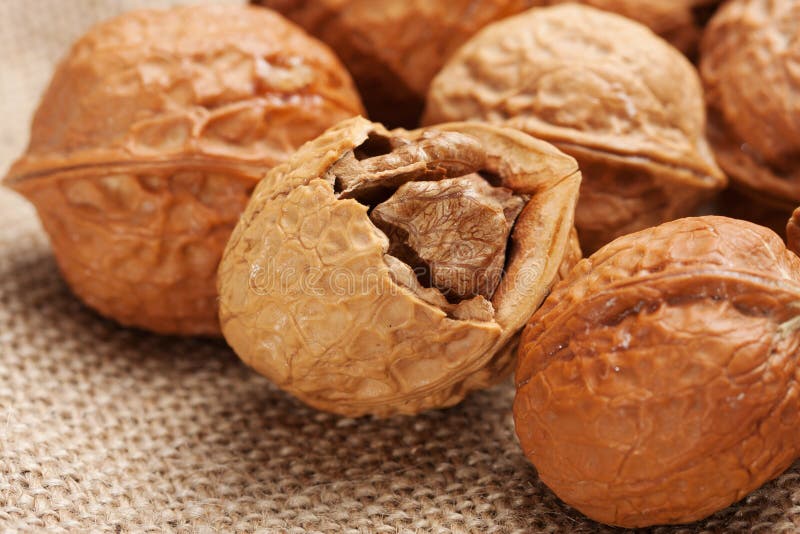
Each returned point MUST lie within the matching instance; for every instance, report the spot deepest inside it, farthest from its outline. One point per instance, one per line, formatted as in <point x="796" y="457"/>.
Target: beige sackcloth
<point x="108" y="429"/>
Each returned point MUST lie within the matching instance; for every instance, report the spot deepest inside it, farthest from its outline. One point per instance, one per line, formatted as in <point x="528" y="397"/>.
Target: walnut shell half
<point x="394" y="48"/>
<point x="603" y="89"/>
<point x="149" y="139"/>
<point x="659" y="381"/>
<point x="749" y="59"/>
<point x="353" y="320"/>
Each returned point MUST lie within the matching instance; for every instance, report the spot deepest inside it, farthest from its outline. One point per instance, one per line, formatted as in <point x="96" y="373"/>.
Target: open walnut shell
<point x="748" y="64"/>
<point x="355" y="320"/>
<point x="151" y="136"/>
<point x="603" y="89"/>
<point x="659" y="381"/>
<point x="394" y="48"/>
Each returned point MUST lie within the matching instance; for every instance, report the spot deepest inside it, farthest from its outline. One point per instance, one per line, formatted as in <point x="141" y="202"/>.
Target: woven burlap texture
<point x="108" y="429"/>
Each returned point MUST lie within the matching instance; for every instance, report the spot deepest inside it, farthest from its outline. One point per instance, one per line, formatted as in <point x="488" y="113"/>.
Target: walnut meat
<point x="659" y="381"/>
<point x="394" y="48"/>
<point x="152" y="134"/>
<point x="383" y="272"/>
<point x="418" y="219"/>
<point x="601" y="88"/>
<point x="749" y="64"/>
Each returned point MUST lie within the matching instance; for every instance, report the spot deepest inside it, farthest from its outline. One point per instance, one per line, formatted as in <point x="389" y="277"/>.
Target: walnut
<point x="749" y="69"/>
<point x="601" y="88"/>
<point x="358" y="320"/>
<point x="659" y="381"/>
<point x="152" y="134"/>
<point x="394" y="48"/>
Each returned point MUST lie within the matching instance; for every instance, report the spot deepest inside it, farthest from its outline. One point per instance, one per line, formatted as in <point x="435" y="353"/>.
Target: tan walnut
<point x="603" y="89"/>
<point x="382" y="272"/>
<point x="749" y="60"/>
<point x="658" y="383"/>
<point x="394" y="48"/>
<point x="149" y="140"/>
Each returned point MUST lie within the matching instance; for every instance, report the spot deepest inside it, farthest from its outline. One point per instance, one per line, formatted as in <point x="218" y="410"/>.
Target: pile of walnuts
<point x="210" y="170"/>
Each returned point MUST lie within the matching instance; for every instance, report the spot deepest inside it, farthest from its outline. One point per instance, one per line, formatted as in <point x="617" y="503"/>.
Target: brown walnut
<point x="749" y="60"/>
<point x="146" y="145"/>
<point x="394" y="48"/>
<point x="411" y="295"/>
<point x="659" y="381"/>
<point x="603" y="89"/>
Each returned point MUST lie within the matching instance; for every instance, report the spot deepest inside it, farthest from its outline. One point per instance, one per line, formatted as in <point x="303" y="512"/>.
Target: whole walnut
<point x="659" y="381"/>
<point x="394" y="48"/>
<point x="382" y="272"/>
<point x="603" y="89"/>
<point x="749" y="60"/>
<point x="149" y="140"/>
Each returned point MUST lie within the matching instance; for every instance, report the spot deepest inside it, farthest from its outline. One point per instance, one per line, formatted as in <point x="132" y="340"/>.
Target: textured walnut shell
<point x="659" y="381"/>
<point x="748" y="64"/>
<point x="307" y="297"/>
<point x="149" y="140"/>
<point x="603" y="89"/>
<point x="680" y="22"/>
<point x="394" y="48"/>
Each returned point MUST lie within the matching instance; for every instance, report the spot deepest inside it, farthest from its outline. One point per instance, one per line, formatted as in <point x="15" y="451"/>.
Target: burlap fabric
<point x="108" y="429"/>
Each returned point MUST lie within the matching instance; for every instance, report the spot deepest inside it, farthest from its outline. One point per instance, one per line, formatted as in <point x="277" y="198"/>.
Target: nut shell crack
<point x="360" y="334"/>
<point x="437" y="155"/>
<point x="446" y="223"/>
<point x="453" y="233"/>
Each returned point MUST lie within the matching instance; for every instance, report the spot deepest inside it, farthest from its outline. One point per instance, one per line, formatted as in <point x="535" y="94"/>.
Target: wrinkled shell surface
<point x="659" y="381"/>
<point x="307" y="297"/>
<point x="394" y="48"/>
<point x="749" y="66"/>
<point x="680" y="22"/>
<point x="603" y="89"/>
<point x="149" y="140"/>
